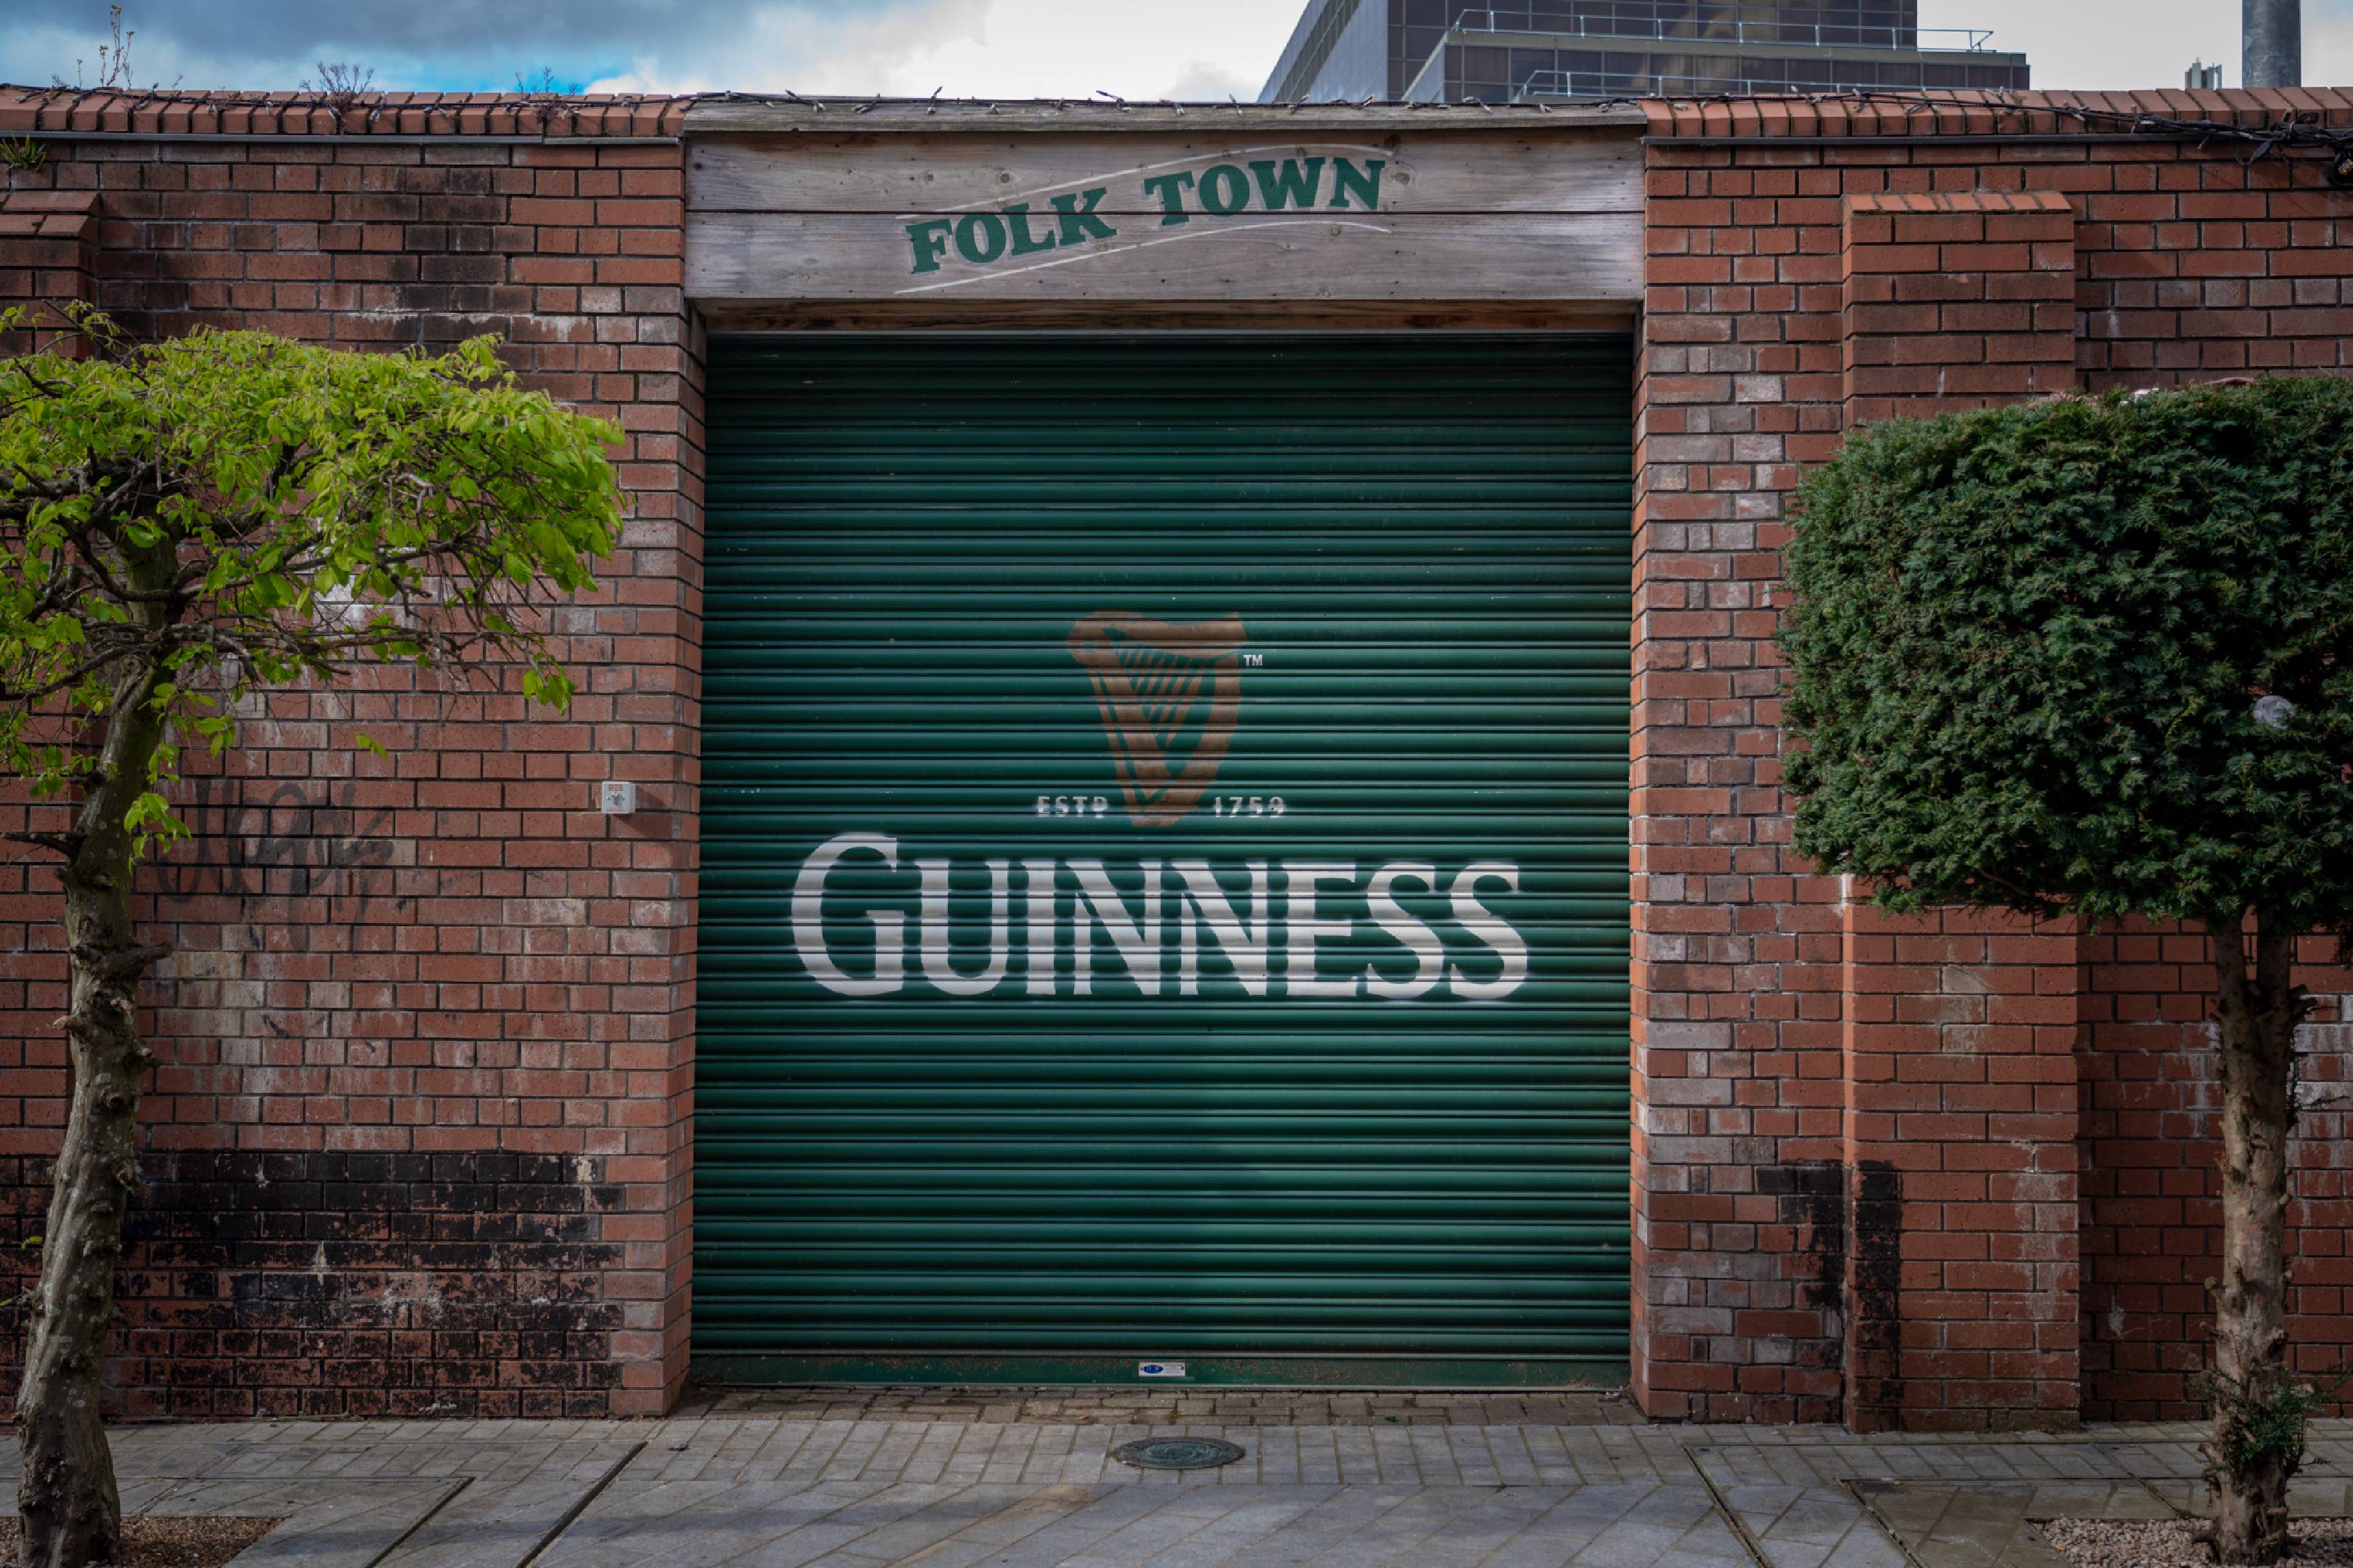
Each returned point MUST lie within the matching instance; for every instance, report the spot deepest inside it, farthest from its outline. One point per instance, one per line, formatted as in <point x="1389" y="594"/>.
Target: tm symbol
<point x="1254" y="661"/>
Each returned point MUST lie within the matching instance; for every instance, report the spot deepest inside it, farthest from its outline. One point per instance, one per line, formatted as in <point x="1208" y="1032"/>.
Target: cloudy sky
<point x="985" y="49"/>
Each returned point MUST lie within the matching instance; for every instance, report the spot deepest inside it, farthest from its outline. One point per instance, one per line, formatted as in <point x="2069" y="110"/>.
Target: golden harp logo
<point x="1167" y="693"/>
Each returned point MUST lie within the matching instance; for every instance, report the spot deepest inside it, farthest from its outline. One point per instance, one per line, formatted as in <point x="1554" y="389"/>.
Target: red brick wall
<point x="1907" y="1175"/>
<point x="2151" y="1142"/>
<point x="422" y="1141"/>
<point x="419" y="1142"/>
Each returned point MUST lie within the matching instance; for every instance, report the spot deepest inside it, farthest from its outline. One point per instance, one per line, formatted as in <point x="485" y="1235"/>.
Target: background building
<point x="1532" y="50"/>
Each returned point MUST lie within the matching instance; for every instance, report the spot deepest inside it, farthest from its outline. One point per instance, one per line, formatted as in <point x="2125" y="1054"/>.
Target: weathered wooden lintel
<point x="1133" y="215"/>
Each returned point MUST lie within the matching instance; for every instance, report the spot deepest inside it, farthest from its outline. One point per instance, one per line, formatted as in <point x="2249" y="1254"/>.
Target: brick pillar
<point x="48" y="253"/>
<point x="1955" y="300"/>
<point x="1960" y="1288"/>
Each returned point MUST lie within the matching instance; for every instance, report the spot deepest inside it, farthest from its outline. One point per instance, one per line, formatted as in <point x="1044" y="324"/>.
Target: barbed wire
<point x="545" y="108"/>
<point x="2293" y="131"/>
<point x="2300" y="129"/>
<point x="2304" y="128"/>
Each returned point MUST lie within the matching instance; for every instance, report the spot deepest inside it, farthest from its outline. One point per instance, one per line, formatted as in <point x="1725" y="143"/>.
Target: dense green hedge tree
<point x="184" y="526"/>
<point x="2094" y="657"/>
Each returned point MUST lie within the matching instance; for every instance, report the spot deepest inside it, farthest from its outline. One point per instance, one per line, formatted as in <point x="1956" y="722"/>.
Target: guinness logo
<point x="1167" y="693"/>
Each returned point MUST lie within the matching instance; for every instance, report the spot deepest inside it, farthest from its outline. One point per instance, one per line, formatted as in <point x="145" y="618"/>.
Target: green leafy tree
<point x="184" y="525"/>
<point x="2094" y="658"/>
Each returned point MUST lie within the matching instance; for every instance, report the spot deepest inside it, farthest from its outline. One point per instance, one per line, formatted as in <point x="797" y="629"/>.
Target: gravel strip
<point x="2136" y="1543"/>
<point x="190" y="1542"/>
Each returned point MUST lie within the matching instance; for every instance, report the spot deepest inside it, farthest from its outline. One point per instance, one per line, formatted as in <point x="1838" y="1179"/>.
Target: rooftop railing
<point x="1802" y="35"/>
<point x="1548" y="85"/>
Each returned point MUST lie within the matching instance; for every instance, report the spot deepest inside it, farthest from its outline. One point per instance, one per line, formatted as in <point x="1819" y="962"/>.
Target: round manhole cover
<point x="1177" y="1453"/>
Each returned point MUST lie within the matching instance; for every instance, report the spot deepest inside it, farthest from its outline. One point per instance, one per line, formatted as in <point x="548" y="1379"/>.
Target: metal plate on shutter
<point x="1163" y="860"/>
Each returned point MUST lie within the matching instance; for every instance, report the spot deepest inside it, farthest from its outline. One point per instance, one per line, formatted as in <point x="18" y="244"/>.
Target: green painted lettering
<point x="1285" y="184"/>
<point x="980" y="238"/>
<point x="930" y="240"/>
<point x="1024" y="242"/>
<point x="1072" y="213"/>
<point x="1365" y="182"/>
<point x="1225" y="189"/>
<point x="1170" y="189"/>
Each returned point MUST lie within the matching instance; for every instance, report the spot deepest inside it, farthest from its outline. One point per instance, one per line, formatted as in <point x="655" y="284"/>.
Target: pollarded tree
<point x="2094" y="657"/>
<point x="182" y="526"/>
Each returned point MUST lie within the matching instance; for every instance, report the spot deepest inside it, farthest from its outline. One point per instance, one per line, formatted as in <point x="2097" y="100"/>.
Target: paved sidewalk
<point x="777" y="1479"/>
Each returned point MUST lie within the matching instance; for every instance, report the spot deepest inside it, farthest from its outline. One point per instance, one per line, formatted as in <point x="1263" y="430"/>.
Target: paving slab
<point x="329" y="1524"/>
<point x="1810" y="1527"/>
<point x="1943" y="1525"/>
<point x="514" y="1504"/>
<point x="1788" y="1512"/>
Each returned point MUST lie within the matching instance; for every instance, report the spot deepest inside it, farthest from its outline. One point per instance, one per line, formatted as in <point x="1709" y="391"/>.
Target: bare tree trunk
<point x="2258" y="1437"/>
<point x="67" y="1499"/>
<point x="66" y="1502"/>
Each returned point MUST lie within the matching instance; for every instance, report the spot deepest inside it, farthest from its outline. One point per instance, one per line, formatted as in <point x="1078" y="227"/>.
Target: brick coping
<point x="54" y="110"/>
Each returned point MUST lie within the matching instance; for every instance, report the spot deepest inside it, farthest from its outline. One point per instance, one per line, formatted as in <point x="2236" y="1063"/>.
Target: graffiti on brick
<point x="293" y="843"/>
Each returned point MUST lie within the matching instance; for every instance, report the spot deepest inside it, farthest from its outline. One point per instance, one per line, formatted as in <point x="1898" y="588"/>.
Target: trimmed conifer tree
<point x="2094" y="658"/>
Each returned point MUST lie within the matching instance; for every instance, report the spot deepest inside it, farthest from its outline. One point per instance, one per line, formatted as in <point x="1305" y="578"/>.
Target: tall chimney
<point x="2274" y="42"/>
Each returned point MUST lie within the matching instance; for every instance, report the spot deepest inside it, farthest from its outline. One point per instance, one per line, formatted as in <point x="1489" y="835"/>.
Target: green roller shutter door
<point x="1164" y="846"/>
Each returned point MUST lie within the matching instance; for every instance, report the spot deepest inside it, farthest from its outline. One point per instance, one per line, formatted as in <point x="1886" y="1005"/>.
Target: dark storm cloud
<point x="428" y="31"/>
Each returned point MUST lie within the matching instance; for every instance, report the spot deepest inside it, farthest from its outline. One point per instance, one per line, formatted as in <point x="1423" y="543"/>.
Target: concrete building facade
<point x="1548" y="51"/>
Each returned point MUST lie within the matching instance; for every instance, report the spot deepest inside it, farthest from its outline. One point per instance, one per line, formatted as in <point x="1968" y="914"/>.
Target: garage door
<point x="1163" y="860"/>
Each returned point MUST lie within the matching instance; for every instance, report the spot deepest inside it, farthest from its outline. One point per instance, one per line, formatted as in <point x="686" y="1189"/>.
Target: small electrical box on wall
<point x="616" y="797"/>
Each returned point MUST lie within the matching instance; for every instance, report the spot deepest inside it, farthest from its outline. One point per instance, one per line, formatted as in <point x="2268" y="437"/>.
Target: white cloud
<point x="1213" y="82"/>
<point x="995" y="48"/>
